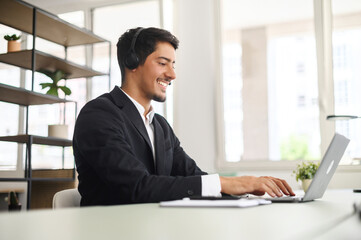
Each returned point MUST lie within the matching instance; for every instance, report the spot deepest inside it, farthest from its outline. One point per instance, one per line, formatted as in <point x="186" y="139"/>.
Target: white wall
<point x="194" y="88"/>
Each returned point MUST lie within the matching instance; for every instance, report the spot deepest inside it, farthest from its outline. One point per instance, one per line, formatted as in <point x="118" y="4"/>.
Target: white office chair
<point x="66" y="199"/>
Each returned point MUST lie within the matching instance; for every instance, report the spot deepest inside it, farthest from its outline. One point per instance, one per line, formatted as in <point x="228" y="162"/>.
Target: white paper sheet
<point x="240" y="203"/>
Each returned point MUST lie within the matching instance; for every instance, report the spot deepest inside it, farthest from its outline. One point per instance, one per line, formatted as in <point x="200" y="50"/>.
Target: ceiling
<point x="246" y="13"/>
<point x="235" y="14"/>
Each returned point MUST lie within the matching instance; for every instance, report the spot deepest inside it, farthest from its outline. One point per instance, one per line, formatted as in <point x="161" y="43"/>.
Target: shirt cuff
<point x="211" y="185"/>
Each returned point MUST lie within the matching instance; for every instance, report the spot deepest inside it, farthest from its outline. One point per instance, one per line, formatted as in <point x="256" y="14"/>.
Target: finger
<point x="289" y="189"/>
<point x="273" y="186"/>
<point x="281" y="184"/>
<point x="269" y="190"/>
<point x="270" y="187"/>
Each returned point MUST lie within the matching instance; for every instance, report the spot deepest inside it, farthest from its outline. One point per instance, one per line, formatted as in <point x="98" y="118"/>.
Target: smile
<point x="163" y="83"/>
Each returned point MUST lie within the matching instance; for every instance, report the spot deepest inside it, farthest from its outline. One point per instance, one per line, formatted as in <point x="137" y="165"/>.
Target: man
<point x="125" y="153"/>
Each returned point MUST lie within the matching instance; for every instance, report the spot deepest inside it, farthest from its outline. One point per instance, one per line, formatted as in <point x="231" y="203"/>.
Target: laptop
<point x="324" y="172"/>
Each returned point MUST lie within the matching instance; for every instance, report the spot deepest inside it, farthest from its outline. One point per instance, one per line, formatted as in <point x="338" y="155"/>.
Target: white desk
<point x="320" y="219"/>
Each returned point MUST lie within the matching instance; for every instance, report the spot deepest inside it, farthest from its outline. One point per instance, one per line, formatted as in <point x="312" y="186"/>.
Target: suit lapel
<point x="159" y="148"/>
<point x="122" y="101"/>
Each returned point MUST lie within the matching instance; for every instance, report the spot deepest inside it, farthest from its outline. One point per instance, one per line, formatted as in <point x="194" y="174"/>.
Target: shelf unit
<point x="39" y="23"/>
<point x="46" y="61"/>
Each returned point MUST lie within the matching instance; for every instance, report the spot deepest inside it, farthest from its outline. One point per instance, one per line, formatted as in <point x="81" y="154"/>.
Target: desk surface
<point x="327" y="218"/>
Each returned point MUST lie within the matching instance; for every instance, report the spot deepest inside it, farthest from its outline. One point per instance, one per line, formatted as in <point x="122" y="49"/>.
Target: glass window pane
<point x="346" y="40"/>
<point x="9" y="123"/>
<point x="270" y="85"/>
<point x="293" y="104"/>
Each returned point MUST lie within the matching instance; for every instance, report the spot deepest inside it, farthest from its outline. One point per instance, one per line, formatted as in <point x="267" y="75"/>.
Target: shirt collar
<point x="141" y="109"/>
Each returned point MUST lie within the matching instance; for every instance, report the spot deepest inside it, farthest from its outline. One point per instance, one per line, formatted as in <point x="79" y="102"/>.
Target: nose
<point x="170" y="74"/>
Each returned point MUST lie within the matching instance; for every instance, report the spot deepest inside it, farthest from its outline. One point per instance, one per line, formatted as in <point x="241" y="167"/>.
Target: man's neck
<point x="133" y="94"/>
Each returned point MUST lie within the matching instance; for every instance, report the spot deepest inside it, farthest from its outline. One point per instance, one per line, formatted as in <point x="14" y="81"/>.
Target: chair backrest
<point x="66" y="199"/>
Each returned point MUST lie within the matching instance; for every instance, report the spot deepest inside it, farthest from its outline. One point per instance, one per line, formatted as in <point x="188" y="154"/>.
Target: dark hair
<point x="145" y="44"/>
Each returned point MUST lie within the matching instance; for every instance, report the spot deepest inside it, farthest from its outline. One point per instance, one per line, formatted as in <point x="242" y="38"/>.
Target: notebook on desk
<point x="324" y="173"/>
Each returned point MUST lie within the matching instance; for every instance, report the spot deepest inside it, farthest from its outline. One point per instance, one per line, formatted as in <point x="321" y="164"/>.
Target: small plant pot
<point x="306" y="183"/>
<point x="14" y="46"/>
<point x="14" y="208"/>
<point x="58" y="131"/>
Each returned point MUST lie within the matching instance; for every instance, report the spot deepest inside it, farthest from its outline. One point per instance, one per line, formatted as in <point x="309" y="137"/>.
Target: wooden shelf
<point x="50" y="141"/>
<point x="46" y="61"/>
<point x="25" y="97"/>
<point x="49" y="26"/>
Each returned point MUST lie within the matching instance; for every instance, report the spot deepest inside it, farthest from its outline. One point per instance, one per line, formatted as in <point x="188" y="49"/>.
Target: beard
<point x="159" y="98"/>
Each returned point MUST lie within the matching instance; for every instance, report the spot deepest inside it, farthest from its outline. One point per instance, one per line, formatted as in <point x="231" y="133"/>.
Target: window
<point x="346" y="40"/>
<point x="271" y="84"/>
<point x="269" y="67"/>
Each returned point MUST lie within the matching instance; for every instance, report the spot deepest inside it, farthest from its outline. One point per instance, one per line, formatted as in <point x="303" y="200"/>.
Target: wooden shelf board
<point x="49" y="26"/>
<point x="9" y="179"/>
<point x="50" y="141"/>
<point x="43" y="60"/>
<point x="25" y="97"/>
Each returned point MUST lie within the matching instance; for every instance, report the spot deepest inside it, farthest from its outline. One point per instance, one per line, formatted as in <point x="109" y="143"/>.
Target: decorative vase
<point x="306" y="183"/>
<point x="14" y="46"/>
<point x="58" y="131"/>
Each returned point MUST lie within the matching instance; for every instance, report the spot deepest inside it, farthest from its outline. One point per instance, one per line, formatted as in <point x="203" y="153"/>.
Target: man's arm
<point x="275" y="187"/>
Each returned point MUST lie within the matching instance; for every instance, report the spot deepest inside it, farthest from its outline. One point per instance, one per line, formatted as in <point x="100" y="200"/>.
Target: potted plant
<point x="55" y="76"/>
<point x="305" y="172"/>
<point x="57" y="130"/>
<point x="14" y="204"/>
<point x="13" y="44"/>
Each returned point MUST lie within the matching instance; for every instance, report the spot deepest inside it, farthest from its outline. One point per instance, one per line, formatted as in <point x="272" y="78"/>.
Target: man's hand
<point x="275" y="187"/>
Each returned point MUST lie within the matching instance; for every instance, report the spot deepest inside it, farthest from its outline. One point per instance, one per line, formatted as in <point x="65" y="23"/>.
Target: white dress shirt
<point x="211" y="184"/>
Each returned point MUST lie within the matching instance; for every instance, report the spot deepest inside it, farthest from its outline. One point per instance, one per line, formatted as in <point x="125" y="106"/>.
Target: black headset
<point x="131" y="60"/>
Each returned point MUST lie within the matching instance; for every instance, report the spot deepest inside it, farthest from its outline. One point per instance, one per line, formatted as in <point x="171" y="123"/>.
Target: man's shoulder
<point x="163" y="123"/>
<point x="159" y="118"/>
<point x="101" y="106"/>
<point x="102" y="102"/>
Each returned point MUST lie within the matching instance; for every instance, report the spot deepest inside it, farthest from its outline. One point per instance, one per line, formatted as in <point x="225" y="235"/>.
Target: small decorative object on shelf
<point x="14" y="204"/>
<point x="305" y="172"/>
<point x="56" y="76"/>
<point x="13" y="44"/>
<point x="57" y="130"/>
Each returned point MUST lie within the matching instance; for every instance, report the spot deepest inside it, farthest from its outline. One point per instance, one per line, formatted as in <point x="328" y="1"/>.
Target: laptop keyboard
<point x="286" y="199"/>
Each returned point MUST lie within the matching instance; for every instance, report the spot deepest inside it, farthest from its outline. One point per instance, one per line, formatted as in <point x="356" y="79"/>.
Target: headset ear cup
<point x="131" y="61"/>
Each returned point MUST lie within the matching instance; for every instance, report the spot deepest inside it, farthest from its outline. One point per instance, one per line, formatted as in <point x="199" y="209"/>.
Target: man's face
<point x="157" y="72"/>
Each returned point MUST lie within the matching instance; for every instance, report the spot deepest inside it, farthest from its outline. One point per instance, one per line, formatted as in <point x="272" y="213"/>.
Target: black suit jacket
<point x="114" y="157"/>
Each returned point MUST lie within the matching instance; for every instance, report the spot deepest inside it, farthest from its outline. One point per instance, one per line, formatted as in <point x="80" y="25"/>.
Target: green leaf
<point x="56" y="77"/>
<point x="12" y="37"/>
<point x="306" y="170"/>
<point x="53" y="91"/>
<point x="66" y="90"/>
<point x="45" y="85"/>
